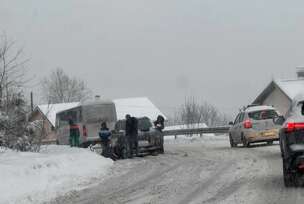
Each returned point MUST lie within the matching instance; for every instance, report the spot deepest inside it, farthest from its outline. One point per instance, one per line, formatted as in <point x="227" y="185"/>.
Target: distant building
<point x="138" y="107"/>
<point x="47" y="114"/>
<point x="280" y="93"/>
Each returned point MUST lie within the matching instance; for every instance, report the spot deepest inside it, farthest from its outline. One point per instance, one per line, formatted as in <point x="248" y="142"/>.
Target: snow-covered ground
<point x="39" y="177"/>
<point x="199" y="171"/>
<point x="186" y="139"/>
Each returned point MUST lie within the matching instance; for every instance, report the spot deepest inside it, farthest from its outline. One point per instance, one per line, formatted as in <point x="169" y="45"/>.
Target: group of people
<point x="131" y="133"/>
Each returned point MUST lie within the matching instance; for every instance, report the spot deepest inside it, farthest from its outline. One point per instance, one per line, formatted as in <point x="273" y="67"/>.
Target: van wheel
<point x="232" y="144"/>
<point x="245" y="141"/>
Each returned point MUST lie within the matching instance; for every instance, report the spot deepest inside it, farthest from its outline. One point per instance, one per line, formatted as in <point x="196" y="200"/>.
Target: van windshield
<point x="263" y="115"/>
<point x="99" y="112"/>
<point x="64" y="117"/>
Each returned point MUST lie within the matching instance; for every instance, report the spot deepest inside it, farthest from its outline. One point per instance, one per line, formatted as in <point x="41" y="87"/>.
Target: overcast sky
<point x="223" y="52"/>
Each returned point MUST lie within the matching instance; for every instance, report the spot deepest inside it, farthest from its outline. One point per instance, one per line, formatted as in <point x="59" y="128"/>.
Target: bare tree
<point x="13" y="108"/>
<point x="61" y="88"/>
<point x="212" y="116"/>
<point x="12" y="72"/>
<point x="192" y="114"/>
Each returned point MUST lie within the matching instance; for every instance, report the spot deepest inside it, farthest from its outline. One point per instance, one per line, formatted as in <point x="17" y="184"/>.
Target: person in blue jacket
<point x="105" y="137"/>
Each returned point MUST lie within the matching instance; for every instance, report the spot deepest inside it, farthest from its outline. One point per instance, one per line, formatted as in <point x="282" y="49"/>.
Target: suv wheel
<point x="161" y="150"/>
<point x="232" y="144"/>
<point x="288" y="177"/>
<point x="245" y="141"/>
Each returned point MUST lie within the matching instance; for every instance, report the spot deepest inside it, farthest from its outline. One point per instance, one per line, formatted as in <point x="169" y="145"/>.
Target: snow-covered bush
<point x="16" y="132"/>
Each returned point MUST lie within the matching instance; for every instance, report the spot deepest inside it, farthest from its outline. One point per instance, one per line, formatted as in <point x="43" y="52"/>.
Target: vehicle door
<point x="233" y="130"/>
<point x="240" y="127"/>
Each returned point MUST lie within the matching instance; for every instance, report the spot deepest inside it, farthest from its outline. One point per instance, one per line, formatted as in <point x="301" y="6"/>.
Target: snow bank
<point x="56" y="170"/>
<point x="190" y="126"/>
<point x="185" y="139"/>
<point x="183" y="127"/>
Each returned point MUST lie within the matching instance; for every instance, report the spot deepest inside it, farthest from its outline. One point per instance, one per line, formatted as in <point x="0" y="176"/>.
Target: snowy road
<point x="207" y="171"/>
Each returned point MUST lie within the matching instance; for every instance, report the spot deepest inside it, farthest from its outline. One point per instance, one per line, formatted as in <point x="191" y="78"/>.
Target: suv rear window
<point x="263" y="115"/>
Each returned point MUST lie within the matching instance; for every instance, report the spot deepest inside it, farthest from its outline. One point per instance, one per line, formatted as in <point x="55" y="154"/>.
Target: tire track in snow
<point x="140" y="184"/>
<point x="144" y="174"/>
<point x="205" y="184"/>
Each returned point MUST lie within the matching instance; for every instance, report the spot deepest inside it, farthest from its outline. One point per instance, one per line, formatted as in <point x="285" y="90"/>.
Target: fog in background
<point x="223" y="52"/>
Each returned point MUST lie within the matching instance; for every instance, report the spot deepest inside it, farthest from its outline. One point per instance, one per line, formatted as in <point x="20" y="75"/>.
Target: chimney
<point x="300" y="72"/>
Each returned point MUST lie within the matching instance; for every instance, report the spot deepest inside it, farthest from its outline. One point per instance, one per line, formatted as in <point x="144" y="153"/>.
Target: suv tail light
<point x="301" y="167"/>
<point x="291" y="127"/>
<point x="247" y="124"/>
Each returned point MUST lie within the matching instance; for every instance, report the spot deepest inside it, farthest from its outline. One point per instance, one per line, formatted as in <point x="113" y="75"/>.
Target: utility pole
<point x="32" y="102"/>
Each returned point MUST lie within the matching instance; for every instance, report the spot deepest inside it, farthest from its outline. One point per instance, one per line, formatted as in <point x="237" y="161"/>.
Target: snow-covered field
<point x="39" y="177"/>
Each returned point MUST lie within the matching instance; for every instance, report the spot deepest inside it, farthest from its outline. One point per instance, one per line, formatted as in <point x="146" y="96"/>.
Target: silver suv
<point x="254" y="124"/>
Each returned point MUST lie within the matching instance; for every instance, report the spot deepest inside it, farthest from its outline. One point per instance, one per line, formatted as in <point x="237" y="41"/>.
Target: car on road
<point x="254" y="124"/>
<point x="292" y="143"/>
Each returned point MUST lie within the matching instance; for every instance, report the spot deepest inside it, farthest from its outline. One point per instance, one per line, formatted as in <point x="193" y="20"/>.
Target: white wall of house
<point x="279" y="100"/>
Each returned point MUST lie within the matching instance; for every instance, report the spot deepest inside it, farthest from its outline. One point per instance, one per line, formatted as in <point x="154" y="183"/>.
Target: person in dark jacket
<point x="105" y="137"/>
<point x="74" y="134"/>
<point x="132" y="134"/>
<point x="135" y="135"/>
<point x="159" y="123"/>
<point x="128" y="125"/>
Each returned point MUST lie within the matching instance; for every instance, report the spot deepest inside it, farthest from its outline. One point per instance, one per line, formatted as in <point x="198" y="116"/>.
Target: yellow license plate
<point x="268" y="134"/>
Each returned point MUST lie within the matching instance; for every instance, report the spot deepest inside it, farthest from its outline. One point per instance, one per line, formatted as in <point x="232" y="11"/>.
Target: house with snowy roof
<point x="47" y="114"/>
<point x="137" y="107"/>
<point x="280" y="93"/>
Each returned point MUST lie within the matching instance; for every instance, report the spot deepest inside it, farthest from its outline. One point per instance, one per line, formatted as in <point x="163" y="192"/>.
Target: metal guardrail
<point x="193" y="131"/>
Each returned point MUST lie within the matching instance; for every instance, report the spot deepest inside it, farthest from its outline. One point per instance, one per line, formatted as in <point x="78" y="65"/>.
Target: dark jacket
<point x="135" y="126"/>
<point x="159" y="123"/>
<point x="132" y="126"/>
<point x="129" y="126"/>
<point x="74" y="131"/>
